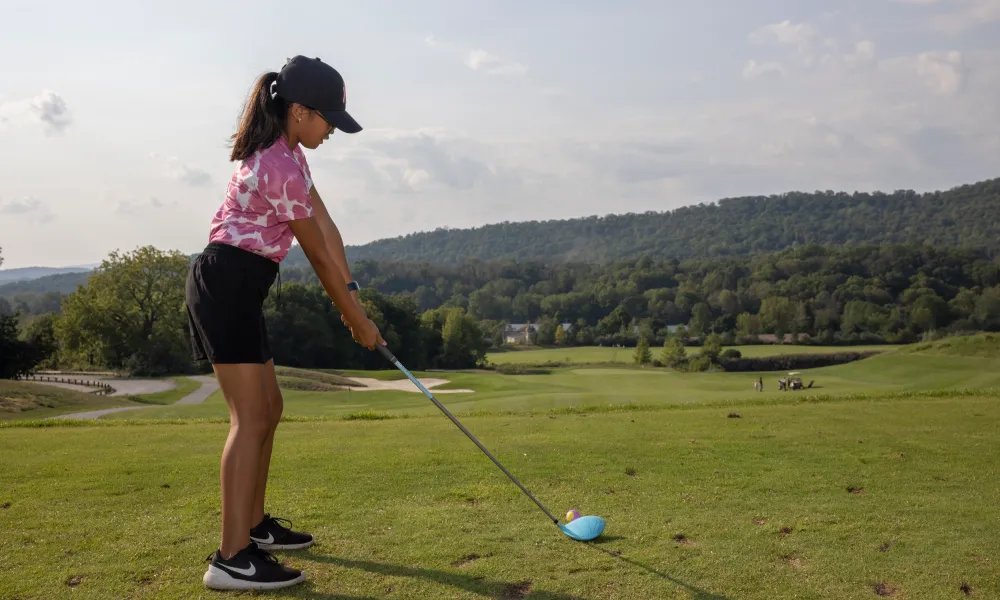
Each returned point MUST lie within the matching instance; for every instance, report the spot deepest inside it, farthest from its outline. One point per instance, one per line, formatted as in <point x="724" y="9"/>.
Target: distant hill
<point x="29" y="273"/>
<point x="64" y="283"/>
<point x="965" y="216"/>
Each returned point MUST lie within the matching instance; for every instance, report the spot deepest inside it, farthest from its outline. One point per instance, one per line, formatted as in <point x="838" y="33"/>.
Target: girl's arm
<point x="334" y="241"/>
<point x="314" y="245"/>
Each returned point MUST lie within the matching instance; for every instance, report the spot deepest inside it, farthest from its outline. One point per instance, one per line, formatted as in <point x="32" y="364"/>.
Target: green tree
<point x="561" y="336"/>
<point x="930" y="312"/>
<point x="546" y="331"/>
<point x="40" y="335"/>
<point x="583" y="333"/>
<point x="615" y="322"/>
<point x="777" y="313"/>
<point x="674" y="354"/>
<point x="493" y="332"/>
<point x="17" y="357"/>
<point x="712" y="347"/>
<point x="701" y="318"/>
<point x="642" y="354"/>
<point x="987" y="311"/>
<point x="748" y="325"/>
<point x="463" y="343"/>
<point x="130" y="315"/>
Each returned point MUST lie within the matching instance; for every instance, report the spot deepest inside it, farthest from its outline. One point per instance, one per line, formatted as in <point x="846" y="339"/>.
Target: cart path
<point x="208" y="386"/>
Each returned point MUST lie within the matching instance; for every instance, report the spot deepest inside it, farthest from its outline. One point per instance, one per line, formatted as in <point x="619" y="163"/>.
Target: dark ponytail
<point x="262" y="121"/>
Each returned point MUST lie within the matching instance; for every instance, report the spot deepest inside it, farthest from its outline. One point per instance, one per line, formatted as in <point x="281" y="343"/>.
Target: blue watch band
<point x="353" y="286"/>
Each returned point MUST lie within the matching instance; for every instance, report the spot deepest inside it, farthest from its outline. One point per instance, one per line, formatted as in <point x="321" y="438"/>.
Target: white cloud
<point x="182" y="172"/>
<point x="47" y="108"/>
<point x="957" y="16"/>
<point x="962" y="15"/>
<point x="481" y="60"/>
<point x="943" y="72"/>
<point x="139" y="206"/>
<point x="896" y="123"/>
<point x="477" y="59"/>
<point x="784" y="32"/>
<point x="863" y="53"/>
<point x="27" y="207"/>
<point x="754" y="69"/>
<point x="808" y="49"/>
<point x="419" y="160"/>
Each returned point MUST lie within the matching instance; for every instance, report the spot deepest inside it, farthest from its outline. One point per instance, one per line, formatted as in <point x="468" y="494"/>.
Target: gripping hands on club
<point x="367" y="334"/>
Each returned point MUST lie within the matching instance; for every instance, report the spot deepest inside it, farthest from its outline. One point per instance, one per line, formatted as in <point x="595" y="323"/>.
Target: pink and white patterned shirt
<point x="267" y="190"/>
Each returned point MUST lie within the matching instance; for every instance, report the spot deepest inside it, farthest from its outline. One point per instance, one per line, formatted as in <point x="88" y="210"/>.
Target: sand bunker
<point x="403" y="385"/>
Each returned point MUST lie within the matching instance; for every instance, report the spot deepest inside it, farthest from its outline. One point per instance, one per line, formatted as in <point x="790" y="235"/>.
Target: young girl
<point x="270" y="200"/>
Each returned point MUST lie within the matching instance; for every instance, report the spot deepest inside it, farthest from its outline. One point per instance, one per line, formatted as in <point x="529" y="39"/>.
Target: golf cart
<point x="793" y="382"/>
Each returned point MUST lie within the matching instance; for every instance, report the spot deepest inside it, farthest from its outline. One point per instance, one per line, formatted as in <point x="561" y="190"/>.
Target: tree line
<point x="964" y="216"/>
<point x="831" y="295"/>
<point x="130" y="314"/>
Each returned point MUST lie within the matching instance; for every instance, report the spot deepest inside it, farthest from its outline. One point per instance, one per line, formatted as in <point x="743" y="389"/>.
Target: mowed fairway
<point x="698" y="505"/>
<point x="880" y="482"/>
<point x="607" y="354"/>
<point x="601" y="386"/>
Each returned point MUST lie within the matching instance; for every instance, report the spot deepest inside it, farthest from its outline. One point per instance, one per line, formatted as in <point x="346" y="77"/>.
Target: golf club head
<point x="584" y="528"/>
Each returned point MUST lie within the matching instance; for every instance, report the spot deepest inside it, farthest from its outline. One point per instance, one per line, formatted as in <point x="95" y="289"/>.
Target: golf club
<point x="582" y="528"/>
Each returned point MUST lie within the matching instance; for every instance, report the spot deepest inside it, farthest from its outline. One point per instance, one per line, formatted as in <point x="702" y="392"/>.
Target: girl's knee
<point x="277" y="406"/>
<point x="253" y="426"/>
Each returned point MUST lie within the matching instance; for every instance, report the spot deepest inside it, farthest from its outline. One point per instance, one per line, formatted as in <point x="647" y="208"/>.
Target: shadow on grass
<point x="485" y="587"/>
<point x="476" y="585"/>
<point x="697" y="593"/>
<point x="305" y="591"/>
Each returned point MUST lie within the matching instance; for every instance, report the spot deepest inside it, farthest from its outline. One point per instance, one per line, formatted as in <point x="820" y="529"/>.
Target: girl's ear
<point x="299" y="112"/>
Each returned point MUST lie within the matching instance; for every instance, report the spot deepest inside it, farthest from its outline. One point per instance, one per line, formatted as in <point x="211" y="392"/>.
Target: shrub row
<point x="790" y="362"/>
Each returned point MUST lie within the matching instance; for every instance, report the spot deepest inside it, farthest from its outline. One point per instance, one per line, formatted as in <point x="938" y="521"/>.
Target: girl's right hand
<point x="367" y="334"/>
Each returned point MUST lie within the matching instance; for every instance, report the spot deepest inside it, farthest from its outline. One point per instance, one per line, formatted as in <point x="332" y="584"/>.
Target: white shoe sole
<point x="264" y="546"/>
<point x="217" y="579"/>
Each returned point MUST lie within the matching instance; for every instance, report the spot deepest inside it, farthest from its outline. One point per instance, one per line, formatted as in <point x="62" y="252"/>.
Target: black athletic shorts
<point x="226" y="289"/>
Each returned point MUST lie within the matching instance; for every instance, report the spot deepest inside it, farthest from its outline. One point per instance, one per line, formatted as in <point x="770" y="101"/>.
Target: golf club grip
<point x="391" y="358"/>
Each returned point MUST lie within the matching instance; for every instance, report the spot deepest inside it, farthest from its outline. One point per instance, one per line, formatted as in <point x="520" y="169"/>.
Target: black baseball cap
<point x="315" y="84"/>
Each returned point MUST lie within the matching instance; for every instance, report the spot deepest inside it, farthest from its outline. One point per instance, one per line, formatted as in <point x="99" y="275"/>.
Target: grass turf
<point x="891" y="372"/>
<point x="802" y="500"/>
<point x="604" y="354"/>
<point x="182" y="387"/>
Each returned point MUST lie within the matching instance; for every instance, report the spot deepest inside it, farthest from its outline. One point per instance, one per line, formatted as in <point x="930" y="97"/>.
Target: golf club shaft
<point x="385" y="351"/>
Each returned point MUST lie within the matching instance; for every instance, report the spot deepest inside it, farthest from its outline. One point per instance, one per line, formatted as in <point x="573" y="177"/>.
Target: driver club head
<point x="584" y="528"/>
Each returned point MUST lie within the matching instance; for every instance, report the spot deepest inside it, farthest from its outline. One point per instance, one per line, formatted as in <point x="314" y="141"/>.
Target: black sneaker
<point x="249" y="569"/>
<point x="272" y="535"/>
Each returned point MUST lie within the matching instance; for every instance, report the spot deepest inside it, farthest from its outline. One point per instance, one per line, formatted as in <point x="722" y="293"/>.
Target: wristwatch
<point x="353" y="286"/>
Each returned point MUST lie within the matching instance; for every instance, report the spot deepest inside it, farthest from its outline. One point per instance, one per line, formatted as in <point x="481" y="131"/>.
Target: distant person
<point x="760" y="380"/>
<point x="271" y="200"/>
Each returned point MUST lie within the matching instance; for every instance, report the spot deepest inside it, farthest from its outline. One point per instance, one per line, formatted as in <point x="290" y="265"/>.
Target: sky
<point x="115" y="116"/>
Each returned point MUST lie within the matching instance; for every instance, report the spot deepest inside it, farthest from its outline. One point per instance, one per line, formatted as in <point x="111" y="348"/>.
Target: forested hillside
<point x="965" y="216"/>
<point x="891" y="293"/>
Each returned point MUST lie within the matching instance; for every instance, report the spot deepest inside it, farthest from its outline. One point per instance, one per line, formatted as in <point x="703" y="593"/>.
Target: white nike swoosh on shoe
<point x="246" y="572"/>
<point x="269" y="540"/>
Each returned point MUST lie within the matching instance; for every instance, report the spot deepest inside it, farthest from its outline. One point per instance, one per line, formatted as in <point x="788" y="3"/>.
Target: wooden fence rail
<point x="103" y="389"/>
